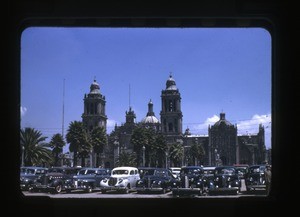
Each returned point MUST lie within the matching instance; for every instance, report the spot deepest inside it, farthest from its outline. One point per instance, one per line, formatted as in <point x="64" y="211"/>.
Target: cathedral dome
<point x="94" y="88"/>
<point x="222" y="121"/>
<point x="150" y="118"/>
<point x="170" y="84"/>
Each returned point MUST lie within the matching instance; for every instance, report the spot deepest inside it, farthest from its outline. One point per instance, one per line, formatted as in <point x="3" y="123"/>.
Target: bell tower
<point x="94" y="108"/>
<point x="171" y="115"/>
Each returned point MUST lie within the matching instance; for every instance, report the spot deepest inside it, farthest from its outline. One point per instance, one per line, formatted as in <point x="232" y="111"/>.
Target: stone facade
<point x="222" y="145"/>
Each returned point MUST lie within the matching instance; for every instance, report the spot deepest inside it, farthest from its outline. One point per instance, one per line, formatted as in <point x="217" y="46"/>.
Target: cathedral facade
<point x="222" y="144"/>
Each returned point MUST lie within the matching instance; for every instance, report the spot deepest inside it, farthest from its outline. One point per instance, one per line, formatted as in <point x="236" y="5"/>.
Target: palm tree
<point x="176" y="153"/>
<point x="79" y="141"/>
<point x="36" y="152"/>
<point x="139" y="139"/>
<point x="98" y="141"/>
<point x="57" y="143"/>
<point x="196" y="152"/>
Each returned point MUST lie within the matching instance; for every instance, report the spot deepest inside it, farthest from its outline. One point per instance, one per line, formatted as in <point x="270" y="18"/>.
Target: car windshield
<point x="256" y="169"/>
<point x="30" y="171"/>
<point x="149" y="172"/>
<point x="190" y="171"/>
<point x="225" y="171"/>
<point x="208" y="172"/>
<point x="90" y="172"/>
<point x="120" y="172"/>
<point x="161" y="173"/>
<point x="55" y="170"/>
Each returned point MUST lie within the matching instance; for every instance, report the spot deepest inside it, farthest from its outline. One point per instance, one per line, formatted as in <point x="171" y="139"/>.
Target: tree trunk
<point x="82" y="161"/>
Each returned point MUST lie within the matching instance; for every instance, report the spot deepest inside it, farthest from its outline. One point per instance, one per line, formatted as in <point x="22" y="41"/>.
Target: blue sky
<point x="215" y="69"/>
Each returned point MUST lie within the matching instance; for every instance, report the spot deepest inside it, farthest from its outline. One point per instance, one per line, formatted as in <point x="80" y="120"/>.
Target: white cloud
<point x="203" y="128"/>
<point x="251" y="126"/>
<point x="23" y="111"/>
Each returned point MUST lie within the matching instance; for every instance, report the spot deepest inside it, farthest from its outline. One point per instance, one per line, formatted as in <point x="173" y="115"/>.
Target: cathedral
<point x="222" y="145"/>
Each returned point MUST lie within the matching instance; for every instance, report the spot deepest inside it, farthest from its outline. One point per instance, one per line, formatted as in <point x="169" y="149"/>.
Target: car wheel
<point x="89" y="190"/>
<point x="58" y="189"/>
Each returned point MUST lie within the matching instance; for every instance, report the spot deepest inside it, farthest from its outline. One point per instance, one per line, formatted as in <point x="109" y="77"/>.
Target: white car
<point x="122" y="179"/>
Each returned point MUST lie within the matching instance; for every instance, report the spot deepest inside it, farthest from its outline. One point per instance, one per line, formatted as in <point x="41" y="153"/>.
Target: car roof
<point x="125" y="168"/>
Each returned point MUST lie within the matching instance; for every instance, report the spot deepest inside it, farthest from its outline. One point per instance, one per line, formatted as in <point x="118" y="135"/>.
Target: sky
<point x="215" y="69"/>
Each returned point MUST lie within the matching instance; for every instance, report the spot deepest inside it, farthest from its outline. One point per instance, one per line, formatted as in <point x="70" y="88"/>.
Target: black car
<point x="255" y="179"/>
<point x="28" y="175"/>
<point x="155" y="180"/>
<point x="242" y="169"/>
<point x="190" y="181"/>
<point x="54" y="180"/>
<point x="226" y="180"/>
<point x="86" y="179"/>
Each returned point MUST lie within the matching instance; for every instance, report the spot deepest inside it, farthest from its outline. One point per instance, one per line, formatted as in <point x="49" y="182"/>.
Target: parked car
<point x="190" y="182"/>
<point x="155" y="180"/>
<point x="208" y="178"/>
<point x="28" y="175"/>
<point x="122" y="179"/>
<point x="242" y="169"/>
<point x="226" y="180"/>
<point x="54" y="180"/>
<point x="255" y="179"/>
<point x="87" y="179"/>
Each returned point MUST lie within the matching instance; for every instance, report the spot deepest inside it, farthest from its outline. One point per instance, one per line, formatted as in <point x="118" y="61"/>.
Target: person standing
<point x="268" y="175"/>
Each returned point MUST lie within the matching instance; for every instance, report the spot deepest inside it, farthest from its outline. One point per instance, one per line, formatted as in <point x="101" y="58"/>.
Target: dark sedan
<point x="155" y="180"/>
<point x="190" y="182"/>
<point x="255" y="179"/>
<point x="226" y="180"/>
<point x="28" y="175"/>
<point x="87" y="179"/>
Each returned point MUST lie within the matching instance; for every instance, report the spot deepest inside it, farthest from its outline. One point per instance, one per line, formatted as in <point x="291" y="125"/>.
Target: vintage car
<point x="190" y="182"/>
<point x="208" y="178"/>
<point x="155" y="180"/>
<point x="242" y="169"/>
<point x="54" y="180"/>
<point x="122" y="179"/>
<point x="226" y="181"/>
<point x="28" y="175"/>
<point x="255" y="179"/>
<point x="87" y="179"/>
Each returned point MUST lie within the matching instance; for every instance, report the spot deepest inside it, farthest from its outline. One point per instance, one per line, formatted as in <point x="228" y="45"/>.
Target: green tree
<point x="98" y="141"/>
<point x="126" y="159"/>
<point x="139" y="139"/>
<point x="176" y="154"/>
<point x="80" y="142"/>
<point x="159" y="150"/>
<point x="36" y="152"/>
<point x="196" y="152"/>
<point x="57" y="143"/>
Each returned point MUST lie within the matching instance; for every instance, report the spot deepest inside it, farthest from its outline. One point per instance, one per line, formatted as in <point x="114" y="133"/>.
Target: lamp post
<point x="117" y="151"/>
<point x="166" y="159"/>
<point x="216" y="157"/>
<point x="23" y="150"/>
<point x="144" y="148"/>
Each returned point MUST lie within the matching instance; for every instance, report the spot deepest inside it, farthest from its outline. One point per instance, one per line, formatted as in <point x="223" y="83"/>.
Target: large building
<point x="222" y="144"/>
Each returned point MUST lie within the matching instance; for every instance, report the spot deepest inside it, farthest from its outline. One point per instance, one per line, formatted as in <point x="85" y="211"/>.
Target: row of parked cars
<point x="189" y="180"/>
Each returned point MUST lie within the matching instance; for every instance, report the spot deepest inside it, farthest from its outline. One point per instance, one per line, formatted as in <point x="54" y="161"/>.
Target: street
<point x="113" y="194"/>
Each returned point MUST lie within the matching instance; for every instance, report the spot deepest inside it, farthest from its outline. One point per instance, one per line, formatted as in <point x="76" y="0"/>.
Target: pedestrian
<point x="268" y="175"/>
